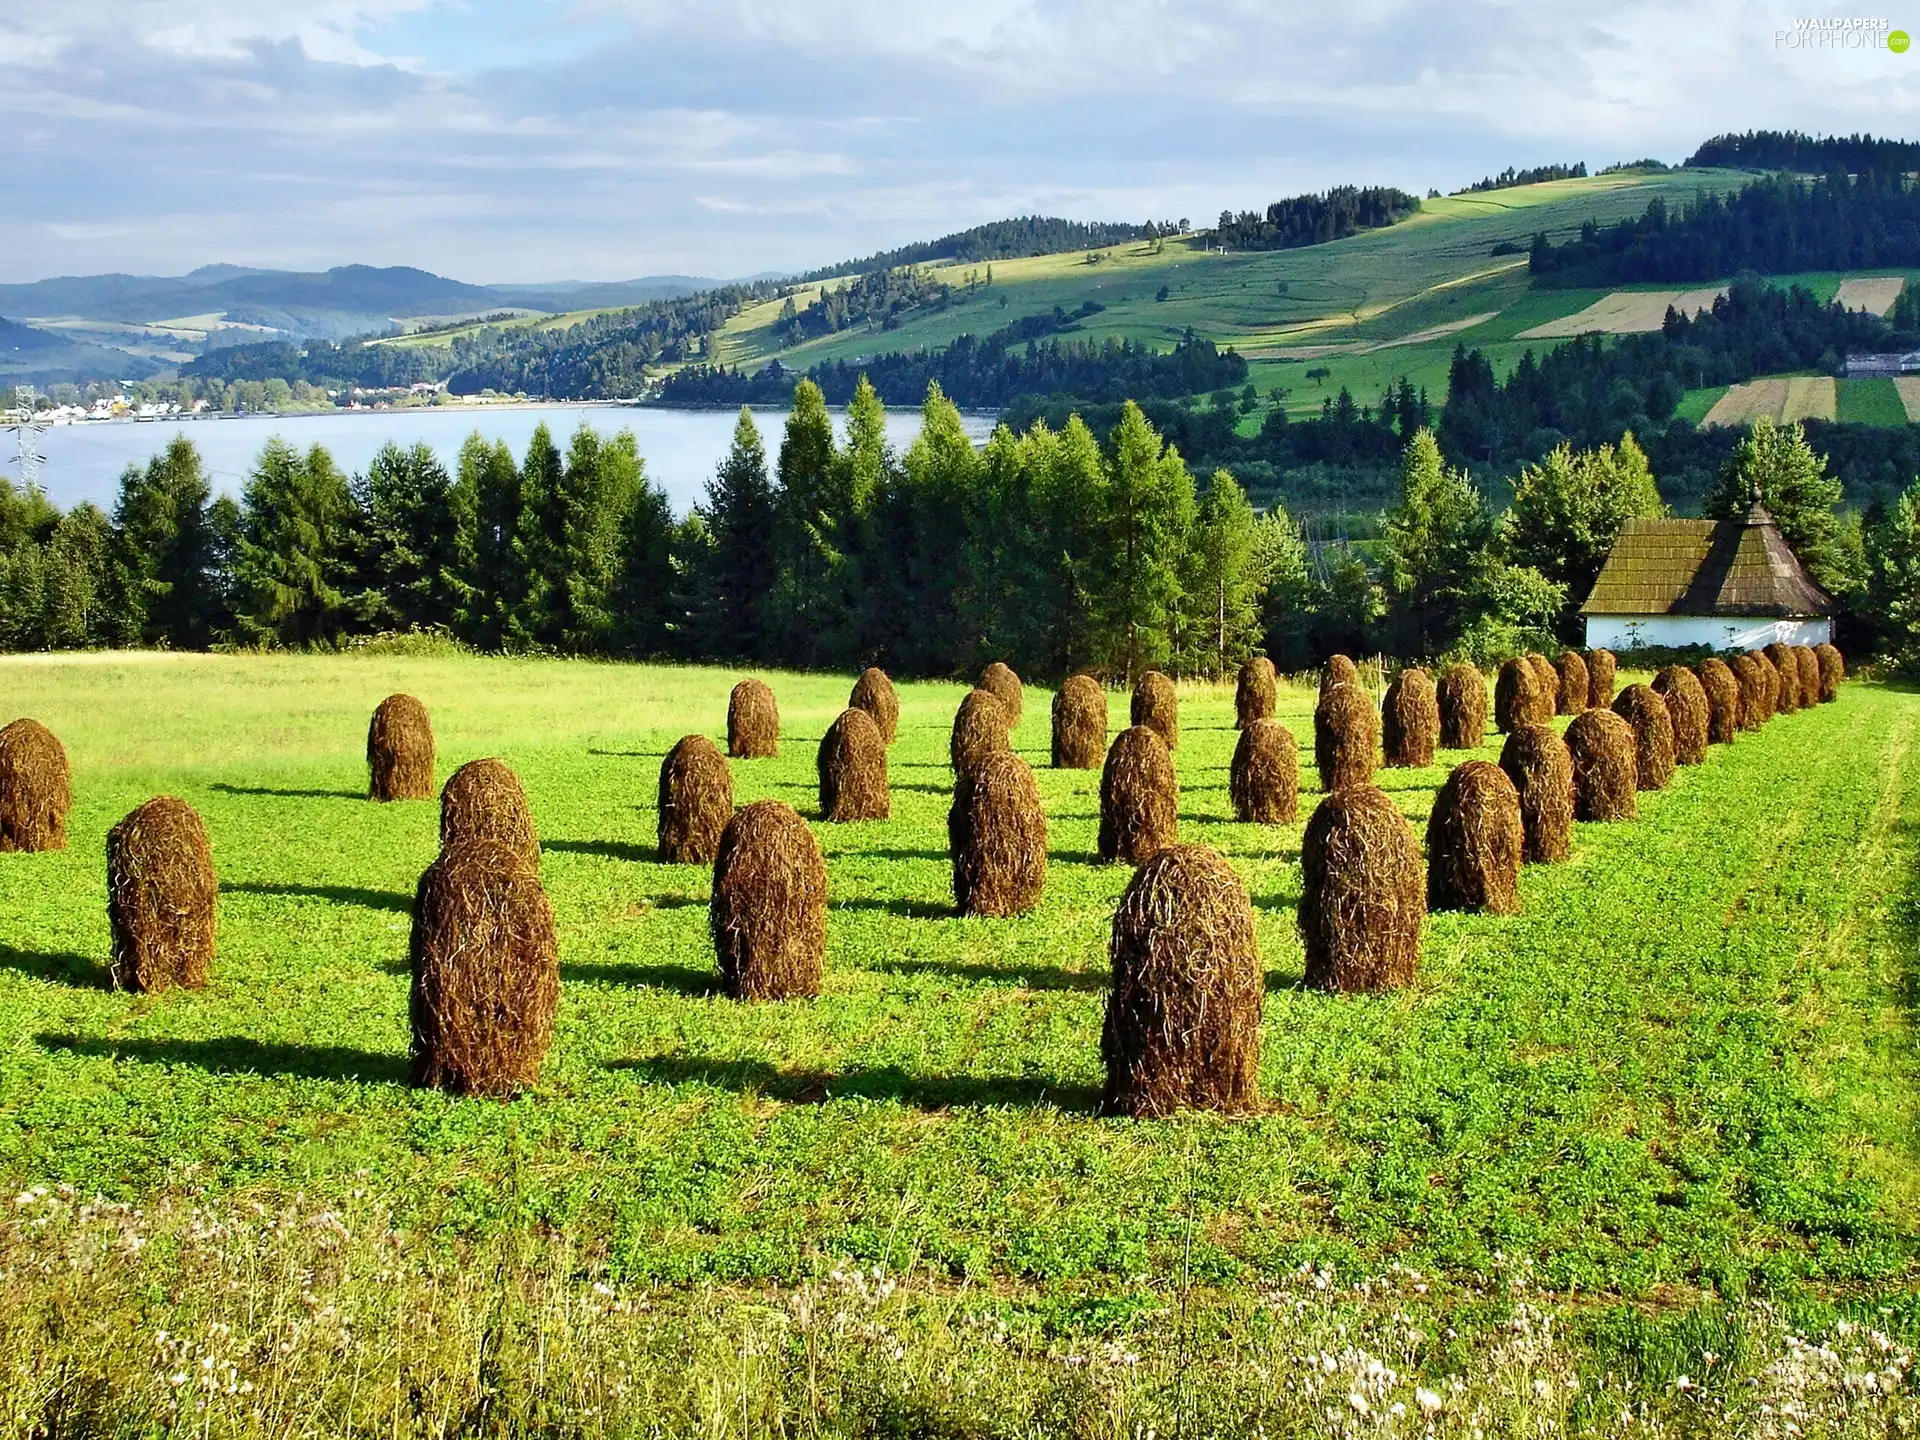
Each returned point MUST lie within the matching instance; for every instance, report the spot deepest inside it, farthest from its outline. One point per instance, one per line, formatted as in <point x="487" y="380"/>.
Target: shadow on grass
<point x="338" y="894"/>
<point x="605" y="849"/>
<point x="929" y="853"/>
<point x="225" y="789"/>
<point x="886" y="1082"/>
<point x="680" y="979"/>
<point x="910" y="909"/>
<point x="1043" y="977"/>
<point x="922" y="789"/>
<point x="237" y="1055"/>
<point x="62" y="967"/>
<point x="629" y="754"/>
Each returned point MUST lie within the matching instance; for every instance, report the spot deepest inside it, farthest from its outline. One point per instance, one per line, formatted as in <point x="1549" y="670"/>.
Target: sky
<point x="547" y="140"/>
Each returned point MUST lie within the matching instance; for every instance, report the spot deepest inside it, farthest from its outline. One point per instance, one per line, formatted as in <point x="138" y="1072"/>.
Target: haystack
<point x="400" y="751"/>
<point x="1364" y="896"/>
<point x="769" y="912"/>
<point x="1339" y="670"/>
<point x="161" y="898"/>
<point x="1535" y="759"/>
<point x="999" y="681"/>
<point x="1575" y="683"/>
<point x="1519" y="697"/>
<point x="753" y="722"/>
<point x="486" y="971"/>
<point x="1463" y="708"/>
<point x="1770" y="678"/>
<point x="1750" y="674"/>
<point x="1653" y="751"/>
<point x="852" y="765"/>
<point x="979" y="728"/>
<point x="1601" y="670"/>
<point x="1475" y="842"/>
<point x="873" y="692"/>
<point x="1157" y="704"/>
<point x="1139" y="797"/>
<point x="1183" y="1018"/>
<point x="696" y="801"/>
<point x="1787" y="667"/>
<point x="1723" y="701"/>
<point x="1264" y="781"/>
<point x="1601" y="746"/>
<point x="36" y="788"/>
<point x="482" y="800"/>
<point x="1809" y="675"/>
<point x="1546" y="675"/>
<point x="1255" y="692"/>
<point x="997" y="834"/>
<point x="1689" y="710"/>
<point x="1410" y="720"/>
<point x="1833" y="672"/>
<point x="1346" y="737"/>
<point x="1079" y="724"/>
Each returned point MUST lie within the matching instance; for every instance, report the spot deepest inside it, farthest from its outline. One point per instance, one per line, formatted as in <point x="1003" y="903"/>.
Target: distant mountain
<point x="32" y="356"/>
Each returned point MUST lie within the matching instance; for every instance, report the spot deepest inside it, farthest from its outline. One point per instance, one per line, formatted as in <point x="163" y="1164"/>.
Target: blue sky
<point x="603" y="139"/>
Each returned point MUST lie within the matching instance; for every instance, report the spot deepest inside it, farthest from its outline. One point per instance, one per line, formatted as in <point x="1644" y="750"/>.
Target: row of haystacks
<point x="1182" y="1027"/>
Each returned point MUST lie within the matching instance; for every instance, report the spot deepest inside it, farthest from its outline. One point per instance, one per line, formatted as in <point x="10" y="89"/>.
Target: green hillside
<point x="1367" y="309"/>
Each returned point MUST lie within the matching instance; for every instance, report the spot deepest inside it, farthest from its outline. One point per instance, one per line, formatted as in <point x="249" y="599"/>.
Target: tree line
<point x="1532" y="175"/>
<point x="1795" y="150"/>
<point x="1301" y="220"/>
<point x="1013" y="239"/>
<point x="1051" y="548"/>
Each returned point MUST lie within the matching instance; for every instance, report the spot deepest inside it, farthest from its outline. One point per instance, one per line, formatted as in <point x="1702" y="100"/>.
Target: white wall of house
<point x="1720" y="632"/>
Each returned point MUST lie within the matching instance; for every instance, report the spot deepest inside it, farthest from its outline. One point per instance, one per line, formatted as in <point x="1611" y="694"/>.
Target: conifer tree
<point x="410" y="536"/>
<point x="738" y="594"/>
<point x="162" y="582"/>
<point x="803" y="540"/>
<point x="1224" y="583"/>
<point x="1148" y="523"/>
<point x="496" y="581"/>
<point x="295" y="549"/>
<point x="1775" y="463"/>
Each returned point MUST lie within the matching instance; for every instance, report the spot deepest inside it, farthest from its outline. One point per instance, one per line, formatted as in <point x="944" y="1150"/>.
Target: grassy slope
<point x="1690" y="1061"/>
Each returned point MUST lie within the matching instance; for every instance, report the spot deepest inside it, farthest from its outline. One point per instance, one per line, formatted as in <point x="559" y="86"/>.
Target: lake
<point x="681" y="447"/>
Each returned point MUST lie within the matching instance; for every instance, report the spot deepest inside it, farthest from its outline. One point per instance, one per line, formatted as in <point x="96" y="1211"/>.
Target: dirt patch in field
<point x="1874" y="294"/>
<point x="1626" y="312"/>
<point x="1743" y="403"/>
<point x="1439" y="332"/>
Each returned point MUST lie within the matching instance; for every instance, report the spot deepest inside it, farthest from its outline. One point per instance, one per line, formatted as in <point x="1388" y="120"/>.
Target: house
<point x="1727" y="584"/>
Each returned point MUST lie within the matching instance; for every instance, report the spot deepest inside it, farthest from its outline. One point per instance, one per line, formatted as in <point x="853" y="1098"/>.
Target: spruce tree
<point x="496" y="581"/>
<point x="1148" y="524"/>
<point x="410" y="538"/>
<point x="162" y="585"/>
<point x="1776" y="464"/>
<point x="803" y="543"/>
<point x="295" y="549"/>
<point x="1224" y="585"/>
<point x="1436" y="562"/>
<point x="740" y="520"/>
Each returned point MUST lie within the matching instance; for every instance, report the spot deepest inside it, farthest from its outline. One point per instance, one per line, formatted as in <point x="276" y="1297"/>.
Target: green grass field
<point x="1667" y="1112"/>
<point x="1871" y="402"/>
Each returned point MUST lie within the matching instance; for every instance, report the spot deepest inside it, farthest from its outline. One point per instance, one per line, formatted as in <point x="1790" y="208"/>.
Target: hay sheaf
<point x="400" y="751"/>
<point x="696" y="801"/>
<point x="1723" y="701"/>
<point x="997" y="836"/>
<point x="1547" y="677"/>
<point x="1364" y="895"/>
<point x="1346" y="737"/>
<point x="1750" y="674"/>
<point x="1519" y="696"/>
<point x="1339" y="670"/>
<point x="1264" y="779"/>
<point x="1256" y="691"/>
<point x="1809" y="675"/>
<point x="36" y="788"/>
<point x="486" y="972"/>
<point x="1575" y="683"/>
<point x="161" y="898"/>
<point x="1079" y="724"/>
<point x="482" y="800"/>
<point x="1463" y="708"/>
<point x="1787" y="667"/>
<point x="873" y="692"/>
<point x="1535" y="759"/>
<point x="1182" y="1028"/>
<point x="1602" y="669"/>
<point x="852" y="765"/>
<point x="1689" y="710"/>
<point x="1475" y="841"/>
<point x="979" y="729"/>
<point x="999" y="681"/>
<point x="1139" y="797"/>
<point x="1410" y="720"/>
<point x="1605" y="773"/>
<point x="1833" y="671"/>
<point x="1642" y="707"/>
<point x="1157" y="704"/>
<point x="753" y="722"/>
<point x="768" y="917"/>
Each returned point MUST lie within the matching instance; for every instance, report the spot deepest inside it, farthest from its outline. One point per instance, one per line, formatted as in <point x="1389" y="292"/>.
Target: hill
<point x="31" y="356"/>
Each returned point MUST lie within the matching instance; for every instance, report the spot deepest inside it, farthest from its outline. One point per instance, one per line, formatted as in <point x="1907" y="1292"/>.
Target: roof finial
<point x="1758" y="498"/>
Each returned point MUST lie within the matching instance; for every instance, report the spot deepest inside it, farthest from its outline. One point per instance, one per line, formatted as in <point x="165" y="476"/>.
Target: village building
<point x="1725" y="584"/>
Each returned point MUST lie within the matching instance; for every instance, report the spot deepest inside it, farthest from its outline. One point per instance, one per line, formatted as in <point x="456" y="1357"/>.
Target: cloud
<point x="606" y="138"/>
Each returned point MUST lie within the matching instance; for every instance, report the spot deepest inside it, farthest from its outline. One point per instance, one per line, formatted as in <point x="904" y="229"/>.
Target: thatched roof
<point x="1705" y="567"/>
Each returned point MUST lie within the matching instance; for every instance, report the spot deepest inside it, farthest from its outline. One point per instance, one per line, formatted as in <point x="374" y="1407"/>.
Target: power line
<point x="26" y="427"/>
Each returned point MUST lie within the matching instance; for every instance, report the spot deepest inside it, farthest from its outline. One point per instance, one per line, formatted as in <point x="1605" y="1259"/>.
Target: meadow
<point x="1659" y="1128"/>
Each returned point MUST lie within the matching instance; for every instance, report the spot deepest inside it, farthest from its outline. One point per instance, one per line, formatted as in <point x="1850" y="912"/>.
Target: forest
<point x="1315" y="219"/>
<point x="1794" y="150"/>
<point x="1002" y="240"/>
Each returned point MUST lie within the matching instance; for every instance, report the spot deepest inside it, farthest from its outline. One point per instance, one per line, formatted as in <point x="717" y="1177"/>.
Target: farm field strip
<point x="1744" y="403"/>
<point x="1873" y="294"/>
<point x="1626" y="312"/>
<point x="1810" y="397"/>
<point x="1908" y="387"/>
